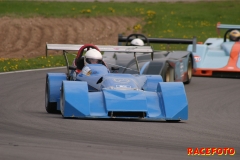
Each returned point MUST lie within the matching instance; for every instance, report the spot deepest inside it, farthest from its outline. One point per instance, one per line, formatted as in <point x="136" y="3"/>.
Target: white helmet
<point x="93" y="56"/>
<point x="137" y="42"/>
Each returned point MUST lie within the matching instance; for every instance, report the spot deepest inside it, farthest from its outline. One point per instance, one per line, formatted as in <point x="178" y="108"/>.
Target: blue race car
<point x="219" y="57"/>
<point x="97" y="93"/>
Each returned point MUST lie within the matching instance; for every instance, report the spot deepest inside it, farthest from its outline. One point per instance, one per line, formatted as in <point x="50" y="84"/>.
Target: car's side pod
<point x="53" y="86"/>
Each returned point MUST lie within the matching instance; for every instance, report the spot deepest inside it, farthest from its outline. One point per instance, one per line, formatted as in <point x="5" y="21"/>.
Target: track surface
<point x="27" y="132"/>
<point x="128" y="0"/>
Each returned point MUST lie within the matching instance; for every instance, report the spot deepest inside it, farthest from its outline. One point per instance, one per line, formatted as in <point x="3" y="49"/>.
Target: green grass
<point x="168" y="20"/>
<point x="7" y="65"/>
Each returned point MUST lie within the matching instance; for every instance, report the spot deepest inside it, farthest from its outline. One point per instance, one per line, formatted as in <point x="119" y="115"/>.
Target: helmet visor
<point x="93" y="61"/>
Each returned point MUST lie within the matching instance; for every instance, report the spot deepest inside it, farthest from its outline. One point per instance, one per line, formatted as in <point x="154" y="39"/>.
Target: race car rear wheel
<point x="169" y="76"/>
<point x="189" y="71"/>
<point x="51" y="107"/>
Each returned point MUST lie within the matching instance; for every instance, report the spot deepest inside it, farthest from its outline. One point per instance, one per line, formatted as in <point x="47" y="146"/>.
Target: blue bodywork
<point x="107" y="95"/>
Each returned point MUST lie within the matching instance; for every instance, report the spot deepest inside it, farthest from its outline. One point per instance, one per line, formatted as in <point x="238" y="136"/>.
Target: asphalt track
<point x="28" y="132"/>
<point x="127" y="0"/>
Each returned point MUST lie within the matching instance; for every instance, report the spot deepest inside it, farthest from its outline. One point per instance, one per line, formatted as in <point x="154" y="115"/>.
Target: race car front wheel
<point x="51" y="107"/>
<point x="62" y="101"/>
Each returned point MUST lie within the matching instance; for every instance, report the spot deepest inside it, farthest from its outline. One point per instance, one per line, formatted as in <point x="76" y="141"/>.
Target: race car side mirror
<point x="72" y="67"/>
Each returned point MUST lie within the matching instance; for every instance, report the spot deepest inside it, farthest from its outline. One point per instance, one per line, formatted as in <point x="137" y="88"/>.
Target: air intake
<point x="115" y="114"/>
<point x="154" y="68"/>
<point x="226" y="74"/>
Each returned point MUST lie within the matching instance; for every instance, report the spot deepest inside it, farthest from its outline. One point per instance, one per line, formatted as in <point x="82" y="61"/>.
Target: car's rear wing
<point x="227" y="26"/>
<point x="164" y="40"/>
<point x="104" y="48"/>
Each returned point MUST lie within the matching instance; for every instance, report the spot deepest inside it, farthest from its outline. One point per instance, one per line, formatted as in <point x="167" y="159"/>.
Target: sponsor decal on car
<point x="123" y="86"/>
<point x="197" y="58"/>
<point x="210" y="151"/>
<point x="181" y="69"/>
<point x="121" y="80"/>
<point x="230" y="67"/>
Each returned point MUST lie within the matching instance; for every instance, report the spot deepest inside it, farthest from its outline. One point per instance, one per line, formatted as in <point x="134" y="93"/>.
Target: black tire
<point x="168" y="74"/>
<point x="51" y="107"/>
<point x="173" y="121"/>
<point x="62" y="99"/>
<point x="189" y="71"/>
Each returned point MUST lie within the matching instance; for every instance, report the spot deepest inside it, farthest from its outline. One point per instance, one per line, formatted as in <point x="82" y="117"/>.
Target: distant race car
<point x="173" y="66"/>
<point x="97" y="93"/>
<point x="218" y="57"/>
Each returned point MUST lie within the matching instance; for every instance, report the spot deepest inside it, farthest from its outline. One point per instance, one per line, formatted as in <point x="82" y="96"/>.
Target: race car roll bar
<point x="102" y="48"/>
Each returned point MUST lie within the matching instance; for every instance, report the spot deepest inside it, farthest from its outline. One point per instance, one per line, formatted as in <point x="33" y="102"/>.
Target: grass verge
<point x="168" y="20"/>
